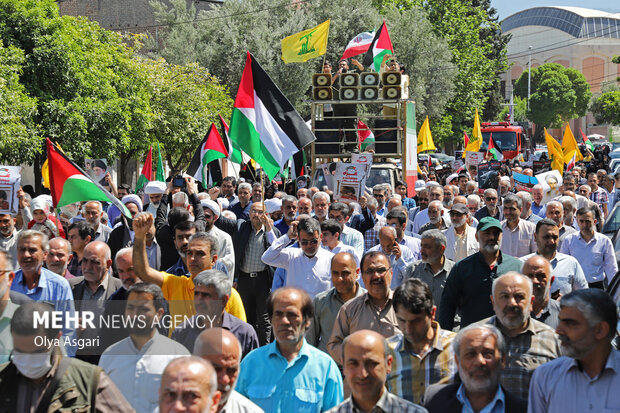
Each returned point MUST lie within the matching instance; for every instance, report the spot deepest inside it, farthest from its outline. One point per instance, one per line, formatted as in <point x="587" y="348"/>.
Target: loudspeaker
<point x="369" y="79"/>
<point x="391" y="92"/>
<point x="321" y="79"/>
<point x="327" y="142"/>
<point x="322" y="93"/>
<point x="349" y="79"/>
<point x="385" y="130"/>
<point x="349" y="93"/>
<point x="369" y="93"/>
<point x="391" y="78"/>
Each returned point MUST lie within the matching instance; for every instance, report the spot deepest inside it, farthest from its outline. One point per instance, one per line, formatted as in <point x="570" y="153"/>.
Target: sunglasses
<point x="311" y="241"/>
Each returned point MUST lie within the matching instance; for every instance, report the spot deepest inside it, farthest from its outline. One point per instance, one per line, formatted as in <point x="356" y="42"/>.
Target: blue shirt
<point x="239" y="211"/>
<point x="281" y="225"/>
<point x="309" y="383"/>
<point x="497" y="405"/>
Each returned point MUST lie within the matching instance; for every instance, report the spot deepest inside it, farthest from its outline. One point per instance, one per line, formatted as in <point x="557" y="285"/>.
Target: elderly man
<point x="527" y="213"/>
<point x="8" y="237"/>
<point x="92" y="212"/>
<point x="379" y="192"/>
<point x="422" y="195"/>
<point x="320" y="203"/>
<point x="480" y="353"/>
<point x="327" y="304"/>
<point x="371" y="235"/>
<point x="544" y="308"/>
<point x="469" y="283"/>
<point x="289" y="213"/>
<point x="422" y="353"/>
<point x="241" y="208"/>
<point x="537" y="196"/>
<point x="222" y="349"/>
<point x="372" y="310"/>
<point x="155" y="191"/>
<point x="435" y="193"/>
<point x="593" y="250"/>
<point x="473" y="203"/>
<point x="293" y="376"/>
<point x="212" y="289"/>
<point x="435" y="217"/>
<point x="188" y="384"/>
<point x="460" y="237"/>
<point x="434" y="267"/>
<point x="588" y="378"/>
<point x="58" y="257"/>
<point x="8" y="304"/>
<point x="529" y="343"/>
<point x="555" y="210"/>
<point x="517" y="234"/>
<point x="304" y="206"/>
<point x="568" y="274"/>
<point x="225" y="252"/>
<point x="490" y="207"/>
<point x="307" y="267"/>
<point x="341" y="212"/>
<point x="34" y="366"/>
<point x="400" y="257"/>
<point x="136" y="362"/>
<point x="362" y="349"/>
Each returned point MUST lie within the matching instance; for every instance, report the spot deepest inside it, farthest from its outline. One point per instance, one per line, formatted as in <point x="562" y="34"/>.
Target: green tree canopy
<point x="606" y="108"/>
<point x="558" y="94"/>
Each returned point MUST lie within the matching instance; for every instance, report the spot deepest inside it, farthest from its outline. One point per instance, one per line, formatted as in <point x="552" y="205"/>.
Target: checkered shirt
<point x="255" y="248"/>
<point x="388" y="403"/>
<point x="600" y="196"/>
<point x="371" y="236"/>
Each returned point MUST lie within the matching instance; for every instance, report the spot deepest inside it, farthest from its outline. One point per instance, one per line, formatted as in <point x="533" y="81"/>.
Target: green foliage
<point x="606" y="108"/>
<point x="520" y="111"/>
<point x="557" y="94"/>
<point x="184" y="100"/>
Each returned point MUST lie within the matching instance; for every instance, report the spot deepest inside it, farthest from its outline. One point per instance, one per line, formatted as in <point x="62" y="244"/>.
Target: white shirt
<point x="353" y="238"/>
<point x="238" y="403"/>
<point x="567" y="271"/>
<point x="342" y="247"/>
<point x="137" y="373"/>
<point x="421" y="218"/>
<point x="225" y="250"/>
<point x="519" y="241"/>
<point x="312" y="275"/>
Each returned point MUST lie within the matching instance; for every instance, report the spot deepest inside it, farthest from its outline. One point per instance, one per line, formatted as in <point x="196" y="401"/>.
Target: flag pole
<point x="262" y="192"/>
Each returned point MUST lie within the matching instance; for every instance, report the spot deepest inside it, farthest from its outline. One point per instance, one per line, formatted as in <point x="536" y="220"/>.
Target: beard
<point x="435" y="220"/>
<point x="459" y="223"/>
<point x="577" y="349"/>
<point x="489" y="249"/>
<point x="475" y="384"/>
<point x="512" y="318"/>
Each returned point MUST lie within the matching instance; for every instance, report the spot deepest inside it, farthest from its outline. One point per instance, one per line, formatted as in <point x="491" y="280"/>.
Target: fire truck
<point x="513" y="139"/>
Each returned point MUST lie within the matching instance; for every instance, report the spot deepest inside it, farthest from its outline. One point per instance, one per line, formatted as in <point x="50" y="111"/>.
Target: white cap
<point x="39" y="203"/>
<point x="451" y="177"/>
<point x="420" y="185"/>
<point x="272" y="205"/>
<point x="212" y="205"/>
<point x="155" y="187"/>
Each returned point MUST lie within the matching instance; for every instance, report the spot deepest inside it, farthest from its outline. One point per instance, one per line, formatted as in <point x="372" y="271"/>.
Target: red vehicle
<point x="511" y="138"/>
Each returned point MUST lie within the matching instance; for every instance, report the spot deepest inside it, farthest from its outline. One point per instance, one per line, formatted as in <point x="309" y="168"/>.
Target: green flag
<point x="159" y="175"/>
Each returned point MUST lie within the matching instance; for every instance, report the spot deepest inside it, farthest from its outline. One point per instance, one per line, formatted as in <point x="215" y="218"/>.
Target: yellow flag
<point x="555" y="153"/>
<point x="425" y="139"/>
<point x="476" y="137"/>
<point x="306" y="45"/>
<point x="45" y="172"/>
<point x="569" y="146"/>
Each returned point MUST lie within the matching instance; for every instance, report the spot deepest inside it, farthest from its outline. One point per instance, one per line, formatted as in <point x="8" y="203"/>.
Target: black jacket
<point x="240" y="241"/>
<point x="441" y="398"/>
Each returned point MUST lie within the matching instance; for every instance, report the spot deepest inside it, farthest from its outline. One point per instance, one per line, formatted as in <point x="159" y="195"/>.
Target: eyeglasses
<point x="378" y="195"/>
<point x="310" y="241"/>
<point x="253" y="211"/>
<point x="488" y="198"/>
<point x="378" y="270"/>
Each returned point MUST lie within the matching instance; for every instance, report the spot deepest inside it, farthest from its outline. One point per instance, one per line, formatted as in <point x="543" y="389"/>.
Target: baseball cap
<point x="488" y="222"/>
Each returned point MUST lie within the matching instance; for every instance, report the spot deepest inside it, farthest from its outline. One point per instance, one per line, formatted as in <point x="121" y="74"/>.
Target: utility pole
<point x="529" y="78"/>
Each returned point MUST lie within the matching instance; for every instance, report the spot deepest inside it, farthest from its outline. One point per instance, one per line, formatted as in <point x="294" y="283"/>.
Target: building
<point x="575" y="37"/>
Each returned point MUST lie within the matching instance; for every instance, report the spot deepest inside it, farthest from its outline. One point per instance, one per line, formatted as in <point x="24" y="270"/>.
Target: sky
<point x="507" y="7"/>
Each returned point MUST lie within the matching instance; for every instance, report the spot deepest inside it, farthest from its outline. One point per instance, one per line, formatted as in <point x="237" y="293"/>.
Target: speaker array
<point x="358" y="86"/>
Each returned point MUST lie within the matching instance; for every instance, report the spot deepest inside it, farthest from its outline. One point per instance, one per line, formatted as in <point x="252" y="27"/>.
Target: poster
<point x="524" y="182"/>
<point x="329" y="169"/>
<point x="488" y="174"/>
<point x="350" y="182"/>
<point x="474" y="158"/>
<point x="97" y="169"/>
<point x="10" y="182"/>
<point x="541" y="166"/>
<point x="551" y="182"/>
<point x="362" y="159"/>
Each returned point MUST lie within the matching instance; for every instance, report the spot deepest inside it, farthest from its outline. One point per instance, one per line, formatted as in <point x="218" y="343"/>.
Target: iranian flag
<point x="264" y="124"/>
<point x="495" y="150"/>
<point x="147" y="171"/>
<point x="358" y="45"/>
<point x="69" y="183"/>
<point x="366" y="137"/>
<point x="571" y="164"/>
<point x="211" y="148"/>
<point x="379" y="47"/>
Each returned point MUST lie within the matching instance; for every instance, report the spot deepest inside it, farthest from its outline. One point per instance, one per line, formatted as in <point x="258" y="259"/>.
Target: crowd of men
<point x="455" y="300"/>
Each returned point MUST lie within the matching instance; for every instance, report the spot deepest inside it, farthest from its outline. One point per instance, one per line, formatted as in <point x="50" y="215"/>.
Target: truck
<point x="513" y="139"/>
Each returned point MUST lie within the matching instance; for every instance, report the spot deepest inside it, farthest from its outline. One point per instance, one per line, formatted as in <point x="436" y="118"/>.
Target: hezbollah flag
<point x="70" y="184"/>
<point x="555" y="153"/>
<point x="306" y="45"/>
<point x="147" y="171"/>
<point x="380" y="46"/>
<point x="425" y="139"/>
<point x="569" y="146"/>
<point x="211" y="148"/>
<point x="476" y="137"/>
<point x="264" y="123"/>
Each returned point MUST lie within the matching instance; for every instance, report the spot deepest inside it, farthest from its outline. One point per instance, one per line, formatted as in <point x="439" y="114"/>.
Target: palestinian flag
<point x="298" y="164"/>
<point x="380" y="46"/>
<point x="234" y="153"/>
<point x="358" y="45"/>
<point x="159" y="175"/>
<point x="147" y="171"/>
<point x="365" y="135"/>
<point x="494" y="150"/>
<point x="264" y="124"/>
<point x="69" y="183"/>
<point x="211" y="148"/>
<point x="586" y="141"/>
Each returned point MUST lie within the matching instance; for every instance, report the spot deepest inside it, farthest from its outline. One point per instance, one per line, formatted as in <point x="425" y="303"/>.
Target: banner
<point x="350" y="182"/>
<point x="474" y="158"/>
<point x="550" y="182"/>
<point x="329" y="169"/>
<point x="524" y="182"/>
<point x="10" y="182"/>
<point x="541" y="166"/>
<point x="488" y="174"/>
<point x="411" y="157"/>
<point x="362" y="159"/>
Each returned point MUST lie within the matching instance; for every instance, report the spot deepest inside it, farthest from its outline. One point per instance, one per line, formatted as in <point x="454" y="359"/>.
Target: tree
<point x="558" y="94"/>
<point x="520" y="110"/>
<point x="606" y="108"/>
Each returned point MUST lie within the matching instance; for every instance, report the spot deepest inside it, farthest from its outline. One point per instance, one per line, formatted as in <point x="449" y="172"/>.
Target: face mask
<point x="32" y="365"/>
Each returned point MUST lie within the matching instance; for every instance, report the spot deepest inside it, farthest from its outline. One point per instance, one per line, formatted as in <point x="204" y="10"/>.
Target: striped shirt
<point x="412" y="373"/>
<point x="388" y="403"/>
